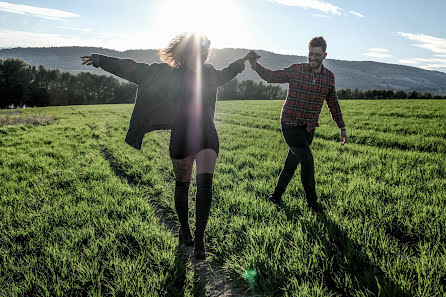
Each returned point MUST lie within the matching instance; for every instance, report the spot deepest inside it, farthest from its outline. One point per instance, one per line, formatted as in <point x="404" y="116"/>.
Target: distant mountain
<point x="363" y="75"/>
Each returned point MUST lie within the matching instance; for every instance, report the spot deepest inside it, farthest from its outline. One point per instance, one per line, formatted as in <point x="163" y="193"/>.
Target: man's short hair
<point x="318" y="42"/>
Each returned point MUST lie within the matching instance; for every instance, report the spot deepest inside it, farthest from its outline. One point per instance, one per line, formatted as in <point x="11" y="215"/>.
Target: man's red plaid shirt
<point x="305" y="96"/>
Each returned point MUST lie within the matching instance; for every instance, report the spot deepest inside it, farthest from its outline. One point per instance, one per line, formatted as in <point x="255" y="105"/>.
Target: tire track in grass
<point x="210" y="276"/>
<point x="435" y="146"/>
<point x="79" y="112"/>
<point x="346" y="253"/>
<point x="398" y="231"/>
<point x="349" y="257"/>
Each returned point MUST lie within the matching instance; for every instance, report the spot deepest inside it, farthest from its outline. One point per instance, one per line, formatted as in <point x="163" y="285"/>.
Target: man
<point x="309" y="84"/>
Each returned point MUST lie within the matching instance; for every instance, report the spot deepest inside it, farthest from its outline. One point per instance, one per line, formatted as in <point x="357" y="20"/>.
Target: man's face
<point x="315" y="57"/>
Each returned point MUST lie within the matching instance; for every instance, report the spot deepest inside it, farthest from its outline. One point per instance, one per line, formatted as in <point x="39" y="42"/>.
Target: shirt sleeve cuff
<point x="95" y="60"/>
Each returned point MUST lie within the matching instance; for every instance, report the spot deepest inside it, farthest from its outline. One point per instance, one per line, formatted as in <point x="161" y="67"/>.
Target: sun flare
<point x="220" y="21"/>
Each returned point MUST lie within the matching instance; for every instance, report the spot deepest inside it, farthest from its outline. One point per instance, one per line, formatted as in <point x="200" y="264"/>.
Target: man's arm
<point x="277" y="76"/>
<point x="335" y="111"/>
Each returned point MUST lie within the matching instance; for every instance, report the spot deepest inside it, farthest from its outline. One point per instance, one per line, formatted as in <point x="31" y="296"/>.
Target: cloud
<point x="75" y="29"/>
<point x="434" y="44"/>
<point x="356" y="13"/>
<point x="427" y="63"/>
<point x="436" y="67"/>
<point x="10" y="38"/>
<point x="377" y="49"/>
<point x="424" y="60"/>
<point x="312" y="4"/>
<point x="408" y="61"/>
<point x="46" y="13"/>
<point x="377" y="55"/>
<point x="377" y="52"/>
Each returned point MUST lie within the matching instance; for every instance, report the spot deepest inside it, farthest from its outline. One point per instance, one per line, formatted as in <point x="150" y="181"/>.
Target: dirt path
<point x="210" y="276"/>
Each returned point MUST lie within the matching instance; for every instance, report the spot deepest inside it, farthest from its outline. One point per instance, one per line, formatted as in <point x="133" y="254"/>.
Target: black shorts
<point x="185" y="143"/>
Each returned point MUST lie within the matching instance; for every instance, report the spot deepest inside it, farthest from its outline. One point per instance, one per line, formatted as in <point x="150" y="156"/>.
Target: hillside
<point x="349" y="74"/>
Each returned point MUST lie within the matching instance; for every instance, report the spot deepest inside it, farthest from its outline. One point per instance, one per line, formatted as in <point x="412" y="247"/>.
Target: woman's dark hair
<point x="318" y="42"/>
<point x="181" y="48"/>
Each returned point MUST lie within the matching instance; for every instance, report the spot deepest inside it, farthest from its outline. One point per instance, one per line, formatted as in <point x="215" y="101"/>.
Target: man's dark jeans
<point x="299" y="141"/>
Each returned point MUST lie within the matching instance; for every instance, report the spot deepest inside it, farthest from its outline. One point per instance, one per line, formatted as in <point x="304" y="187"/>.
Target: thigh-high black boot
<point x="182" y="209"/>
<point x="202" y="209"/>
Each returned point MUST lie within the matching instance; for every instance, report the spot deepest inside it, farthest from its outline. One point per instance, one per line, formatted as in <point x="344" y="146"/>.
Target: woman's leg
<point x="206" y="160"/>
<point x="182" y="168"/>
<point x="183" y="171"/>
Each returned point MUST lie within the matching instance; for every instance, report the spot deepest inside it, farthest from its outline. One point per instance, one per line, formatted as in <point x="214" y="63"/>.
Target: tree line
<point x="384" y="94"/>
<point x="24" y="85"/>
<point x="248" y="89"/>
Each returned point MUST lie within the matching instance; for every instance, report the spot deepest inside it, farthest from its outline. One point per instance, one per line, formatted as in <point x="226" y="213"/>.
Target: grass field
<point x="78" y="206"/>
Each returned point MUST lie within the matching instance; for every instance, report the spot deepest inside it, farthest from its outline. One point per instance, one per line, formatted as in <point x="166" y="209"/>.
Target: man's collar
<point x="308" y="68"/>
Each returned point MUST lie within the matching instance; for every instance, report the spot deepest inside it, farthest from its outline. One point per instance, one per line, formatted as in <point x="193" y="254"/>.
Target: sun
<point x="221" y="21"/>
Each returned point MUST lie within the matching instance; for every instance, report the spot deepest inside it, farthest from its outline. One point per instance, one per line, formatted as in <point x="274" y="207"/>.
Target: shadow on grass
<point x="348" y="259"/>
<point x="176" y="281"/>
<point x="205" y="273"/>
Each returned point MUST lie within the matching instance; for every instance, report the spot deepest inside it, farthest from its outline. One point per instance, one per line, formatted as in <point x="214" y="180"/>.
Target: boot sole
<point x="185" y="242"/>
<point x="200" y="252"/>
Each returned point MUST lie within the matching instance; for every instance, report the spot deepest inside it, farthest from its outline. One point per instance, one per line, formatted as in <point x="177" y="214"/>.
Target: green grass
<point x="78" y="205"/>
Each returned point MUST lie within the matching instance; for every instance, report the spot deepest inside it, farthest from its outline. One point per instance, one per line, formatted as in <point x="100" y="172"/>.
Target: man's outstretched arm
<point x="277" y="76"/>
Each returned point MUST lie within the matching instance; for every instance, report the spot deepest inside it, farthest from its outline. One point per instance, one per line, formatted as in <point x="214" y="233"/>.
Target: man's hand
<point x="344" y="136"/>
<point x="252" y="57"/>
<point x="86" y="60"/>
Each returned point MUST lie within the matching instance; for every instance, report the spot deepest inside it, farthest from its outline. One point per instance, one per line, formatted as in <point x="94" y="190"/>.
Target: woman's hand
<point x="251" y="56"/>
<point x="86" y="60"/>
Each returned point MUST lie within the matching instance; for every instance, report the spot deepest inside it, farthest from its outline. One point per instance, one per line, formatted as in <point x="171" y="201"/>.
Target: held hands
<point x="252" y="57"/>
<point x="86" y="60"/>
<point x="344" y="136"/>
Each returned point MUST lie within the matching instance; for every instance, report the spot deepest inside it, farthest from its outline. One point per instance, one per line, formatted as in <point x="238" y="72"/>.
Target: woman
<point x="192" y="85"/>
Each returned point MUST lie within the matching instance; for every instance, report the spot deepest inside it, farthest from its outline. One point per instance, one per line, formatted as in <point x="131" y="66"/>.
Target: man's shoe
<point x="310" y="195"/>
<point x="314" y="205"/>
<point x="276" y="197"/>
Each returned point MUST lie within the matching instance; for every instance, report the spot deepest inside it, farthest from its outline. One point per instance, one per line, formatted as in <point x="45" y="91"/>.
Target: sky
<point x="410" y="32"/>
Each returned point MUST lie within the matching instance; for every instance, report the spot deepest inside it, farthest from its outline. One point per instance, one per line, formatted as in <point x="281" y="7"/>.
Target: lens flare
<point x="195" y="129"/>
<point x="250" y="275"/>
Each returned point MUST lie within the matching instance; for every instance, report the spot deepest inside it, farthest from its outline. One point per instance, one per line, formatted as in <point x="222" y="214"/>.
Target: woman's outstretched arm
<point x="226" y="74"/>
<point x="124" y="68"/>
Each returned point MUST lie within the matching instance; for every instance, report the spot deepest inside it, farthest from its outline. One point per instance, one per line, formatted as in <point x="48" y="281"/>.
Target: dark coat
<point x="159" y="89"/>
